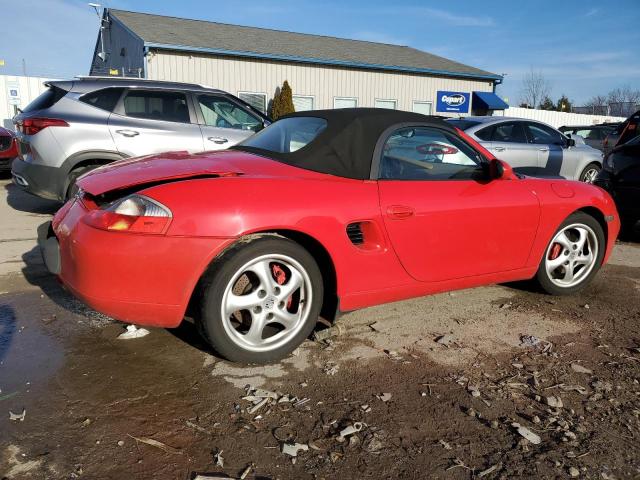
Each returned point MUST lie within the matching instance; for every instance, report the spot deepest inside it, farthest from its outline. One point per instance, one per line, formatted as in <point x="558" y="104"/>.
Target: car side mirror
<point x="501" y="169"/>
<point x="571" y="142"/>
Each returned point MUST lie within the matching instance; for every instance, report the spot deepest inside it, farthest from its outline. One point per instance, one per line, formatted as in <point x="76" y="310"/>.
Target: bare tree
<point x="535" y="87"/>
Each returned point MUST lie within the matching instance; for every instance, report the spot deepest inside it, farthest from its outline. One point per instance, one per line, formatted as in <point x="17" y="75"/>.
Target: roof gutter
<point x="321" y="61"/>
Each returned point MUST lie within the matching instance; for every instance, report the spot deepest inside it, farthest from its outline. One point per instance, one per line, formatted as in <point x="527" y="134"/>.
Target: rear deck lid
<point x="166" y="167"/>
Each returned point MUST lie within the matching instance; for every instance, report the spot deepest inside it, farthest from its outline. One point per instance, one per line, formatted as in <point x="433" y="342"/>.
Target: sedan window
<point x="510" y="132"/>
<point x="427" y="154"/>
<point x="543" y="135"/>
<point x="486" y="133"/>
<point x="220" y="112"/>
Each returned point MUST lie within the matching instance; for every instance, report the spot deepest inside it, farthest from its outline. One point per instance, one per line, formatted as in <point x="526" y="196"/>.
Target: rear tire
<point x="590" y="173"/>
<point x="573" y="257"/>
<point x="260" y="300"/>
<point x="72" y="188"/>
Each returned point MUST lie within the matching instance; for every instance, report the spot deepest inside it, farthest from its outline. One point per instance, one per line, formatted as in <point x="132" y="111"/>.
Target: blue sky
<point x="583" y="47"/>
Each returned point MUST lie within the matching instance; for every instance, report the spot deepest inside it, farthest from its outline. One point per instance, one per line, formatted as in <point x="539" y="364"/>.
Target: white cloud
<point x="591" y="12"/>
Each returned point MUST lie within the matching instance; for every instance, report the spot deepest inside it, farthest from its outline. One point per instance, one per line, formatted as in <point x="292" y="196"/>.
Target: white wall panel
<point x="559" y="119"/>
<point x="235" y="75"/>
<point x="29" y="88"/>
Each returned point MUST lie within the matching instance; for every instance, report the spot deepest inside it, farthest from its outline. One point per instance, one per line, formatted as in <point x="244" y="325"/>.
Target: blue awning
<point x="488" y="101"/>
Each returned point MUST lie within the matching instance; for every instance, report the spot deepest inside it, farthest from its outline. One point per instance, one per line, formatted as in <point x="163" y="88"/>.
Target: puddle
<point x="28" y="356"/>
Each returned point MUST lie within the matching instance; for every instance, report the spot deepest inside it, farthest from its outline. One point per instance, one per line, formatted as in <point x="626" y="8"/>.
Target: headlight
<point x="135" y="214"/>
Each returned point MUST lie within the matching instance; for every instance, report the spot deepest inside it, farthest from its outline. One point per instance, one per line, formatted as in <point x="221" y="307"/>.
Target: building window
<point x="424" y="108"/>
<point x="256" y="100"/>
<point x="345" y="102"/>
<point x="381" y="103"/>
<point x="302" y="103"/>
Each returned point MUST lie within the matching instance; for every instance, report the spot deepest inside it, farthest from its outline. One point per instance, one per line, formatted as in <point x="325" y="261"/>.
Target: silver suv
<point x="81" y="124"/>
<point x="534" y="148"/>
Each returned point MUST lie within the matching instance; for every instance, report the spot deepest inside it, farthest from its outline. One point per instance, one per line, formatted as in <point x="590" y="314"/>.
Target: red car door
<point x="446" y="219"/>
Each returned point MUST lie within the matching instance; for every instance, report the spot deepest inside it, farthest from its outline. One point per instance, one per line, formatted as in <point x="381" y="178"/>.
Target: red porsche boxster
<point x="319" y="213"/>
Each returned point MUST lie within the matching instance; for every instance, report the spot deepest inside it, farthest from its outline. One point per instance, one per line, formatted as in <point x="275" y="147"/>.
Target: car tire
<point x="72" y="188"/>
<point x="590" y="172"/>
<point x="573" y="256"/>
<point x="260" y="300"/>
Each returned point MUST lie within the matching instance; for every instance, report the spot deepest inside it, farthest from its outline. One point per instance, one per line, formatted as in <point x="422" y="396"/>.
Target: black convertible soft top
<point x="345" y="147"/>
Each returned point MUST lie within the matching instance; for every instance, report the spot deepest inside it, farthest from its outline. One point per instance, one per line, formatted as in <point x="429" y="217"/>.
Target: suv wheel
<point x="72" y="188"/>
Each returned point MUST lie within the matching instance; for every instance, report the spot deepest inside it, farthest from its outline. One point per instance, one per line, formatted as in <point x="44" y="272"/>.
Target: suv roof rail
<point x="137" y="79"/>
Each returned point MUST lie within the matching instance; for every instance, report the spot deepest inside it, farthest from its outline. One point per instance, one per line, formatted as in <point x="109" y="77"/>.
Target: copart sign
<point x="457" y="102"/>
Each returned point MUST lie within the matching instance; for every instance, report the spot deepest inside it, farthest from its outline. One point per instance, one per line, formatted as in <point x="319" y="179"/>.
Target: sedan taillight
<point x="31" y="126"/>
<point x="132" y="214"/>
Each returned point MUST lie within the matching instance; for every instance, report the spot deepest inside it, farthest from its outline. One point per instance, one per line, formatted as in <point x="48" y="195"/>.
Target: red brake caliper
<point x="281" y="277"/>
<point x="555" y="251"/>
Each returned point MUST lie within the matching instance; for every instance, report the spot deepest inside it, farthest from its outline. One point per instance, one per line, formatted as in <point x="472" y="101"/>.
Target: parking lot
<point x="446" y="386"/>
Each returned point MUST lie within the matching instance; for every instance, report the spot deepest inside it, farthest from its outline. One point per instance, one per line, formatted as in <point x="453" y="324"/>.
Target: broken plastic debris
<point x="526" y="433"/>
<point x="18" y="416"/>
<point x="445" y="340"/>
<point x="350" y="430"/>
<point x="554" y="402"/>
<point x="489" y="470"/>
<point x="157" y="444"/>
<point x="576" y="367"/>
<point x="473" y="390"/>
<point x="292" y="449"/>
<point x="336" y="330"/>
<point x="531" y="341"/>
<point x="217" y="457"/>
<point x="385" y="397"/>
<point x="133" y="332"/>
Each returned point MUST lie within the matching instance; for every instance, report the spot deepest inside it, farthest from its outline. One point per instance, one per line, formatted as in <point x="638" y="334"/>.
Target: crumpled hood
<point x="151" y="169"/>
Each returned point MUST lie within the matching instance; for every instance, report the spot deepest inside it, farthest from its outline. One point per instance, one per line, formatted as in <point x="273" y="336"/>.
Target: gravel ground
<point x="494" y="382"/>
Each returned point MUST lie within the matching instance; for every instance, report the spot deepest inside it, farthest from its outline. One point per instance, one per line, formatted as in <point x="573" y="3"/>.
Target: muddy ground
<point x="455" y="365"/>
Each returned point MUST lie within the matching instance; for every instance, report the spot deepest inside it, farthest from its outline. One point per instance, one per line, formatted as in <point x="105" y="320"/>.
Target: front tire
<point x="261" y="299"/>
<point x="573" y="256"/>
<point x="590" y="173"/>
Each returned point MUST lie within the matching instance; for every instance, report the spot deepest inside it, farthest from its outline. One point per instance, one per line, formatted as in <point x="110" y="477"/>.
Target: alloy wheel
<point x="266" y="303"/>
<point x="571" y="255"/>
<point x="590" y="175"/>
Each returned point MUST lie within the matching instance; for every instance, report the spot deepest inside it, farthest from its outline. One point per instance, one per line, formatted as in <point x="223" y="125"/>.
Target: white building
<point x="324" y="72"/>
<point x="17" y="92"/>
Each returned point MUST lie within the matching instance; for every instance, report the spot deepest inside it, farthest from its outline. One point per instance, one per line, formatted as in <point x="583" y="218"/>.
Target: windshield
<point x="286" y="135"/>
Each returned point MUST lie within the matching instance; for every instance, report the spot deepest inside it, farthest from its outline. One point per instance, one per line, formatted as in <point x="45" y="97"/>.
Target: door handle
<point x="400" y="211"/>
<point x="128" y="133"/>
<point x="499" y="149"/>
<point x="544" y="149"/>
<point x="218" y="140"/>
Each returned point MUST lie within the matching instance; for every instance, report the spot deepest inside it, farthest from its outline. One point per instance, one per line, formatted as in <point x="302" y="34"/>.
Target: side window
<point x="485" y="134"/>
<point x="543" y="135"/>
<point x="104" y="99"/>
<point x="510" y="132"/>
<point x="220" y="112"/>
<point x="156" y="105"/>
<point x="423" y="153"/>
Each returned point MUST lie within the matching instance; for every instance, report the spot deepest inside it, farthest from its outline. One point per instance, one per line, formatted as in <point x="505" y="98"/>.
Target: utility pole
<point x="24" y="67"/>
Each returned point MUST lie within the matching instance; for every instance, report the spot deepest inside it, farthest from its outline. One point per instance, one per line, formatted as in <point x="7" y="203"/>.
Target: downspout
<point x="498" y="81"/>
<point x="144" y="60"/>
